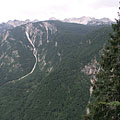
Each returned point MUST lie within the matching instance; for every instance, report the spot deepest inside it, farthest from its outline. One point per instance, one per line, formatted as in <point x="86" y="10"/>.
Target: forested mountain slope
<point x="41" y="65"/>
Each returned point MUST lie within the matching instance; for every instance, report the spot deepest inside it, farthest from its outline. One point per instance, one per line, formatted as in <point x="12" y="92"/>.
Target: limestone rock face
<point x="89" y="21"/>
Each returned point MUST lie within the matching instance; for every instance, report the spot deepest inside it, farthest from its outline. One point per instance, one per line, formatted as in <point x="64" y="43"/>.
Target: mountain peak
<point x="15" y="22"/>
<point x="53" y="18"/>
<point x="89" y="20"/>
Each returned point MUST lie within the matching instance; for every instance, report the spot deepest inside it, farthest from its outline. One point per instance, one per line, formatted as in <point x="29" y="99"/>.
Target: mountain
<point x="83" y="20"/>
<point x="53" y="18"/>
<point x="89" y="21"/>
<point x="4" y="27"/>
<point x="45" y="69"/>
<point x="14" y="23"/>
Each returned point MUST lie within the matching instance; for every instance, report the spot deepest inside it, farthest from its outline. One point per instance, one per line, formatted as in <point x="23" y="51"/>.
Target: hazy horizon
<point x="60" y="9"/>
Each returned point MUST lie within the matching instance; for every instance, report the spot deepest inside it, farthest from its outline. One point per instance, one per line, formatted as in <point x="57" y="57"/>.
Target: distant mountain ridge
<point x="89" y="20"/>
<point x="82" y="20"/>
<point x="14" y="23"/>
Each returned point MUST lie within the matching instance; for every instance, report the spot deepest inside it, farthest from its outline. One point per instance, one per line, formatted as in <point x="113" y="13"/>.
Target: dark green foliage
<point x="61" y="94"/>
<point x="105" y="104"/>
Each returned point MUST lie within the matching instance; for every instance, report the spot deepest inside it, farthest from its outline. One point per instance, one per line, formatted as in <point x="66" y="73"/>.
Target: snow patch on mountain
<point x="88" y="20"/>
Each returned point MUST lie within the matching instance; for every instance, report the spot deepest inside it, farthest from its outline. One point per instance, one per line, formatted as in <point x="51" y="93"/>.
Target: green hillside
<point x="57" y="89"/>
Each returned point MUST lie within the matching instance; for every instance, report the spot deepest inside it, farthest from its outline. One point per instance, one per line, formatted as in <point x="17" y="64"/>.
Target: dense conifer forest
<point x="59" y="87"/>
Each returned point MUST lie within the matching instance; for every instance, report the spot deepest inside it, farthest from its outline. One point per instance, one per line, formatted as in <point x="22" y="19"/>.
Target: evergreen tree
<point x="106" y="91"/>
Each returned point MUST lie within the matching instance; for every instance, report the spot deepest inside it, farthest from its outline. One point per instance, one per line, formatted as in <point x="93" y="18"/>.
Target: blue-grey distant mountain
<point x="14" y="23"/>
<point x="89" y="21"/>
<point x="83" y="20"/>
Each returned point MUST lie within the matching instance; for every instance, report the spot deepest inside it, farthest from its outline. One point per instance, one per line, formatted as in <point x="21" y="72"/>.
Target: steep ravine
<point x="31" y="32"/>
<point x="91" y="69"/>
<point x="34" y="54"/>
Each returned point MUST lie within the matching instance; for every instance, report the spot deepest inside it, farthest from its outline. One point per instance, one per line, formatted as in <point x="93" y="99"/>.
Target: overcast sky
<point x="60" y="9"/>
